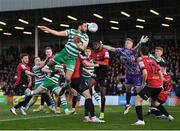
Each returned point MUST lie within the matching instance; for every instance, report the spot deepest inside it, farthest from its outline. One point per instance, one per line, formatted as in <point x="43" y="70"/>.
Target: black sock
<point x="103" y="101"/>
<point x="26" y="101"/>
<point x="19" y="105"/>
<point x="128" y="97"/>
<point x="23" y="103"/>
<point x="89" y="107"/>
<point x="163" y="110"/>
<point x="42" y="99"/>
<point x="156" y="112"/>
<point x="86" y="110"/>
<point x="92" y="112"/>
<point x="59" y="102"/>
<point x="74" y="101"/>
<point x="62" y="91"/>
<point x="47" y="100"/>
<point x="139" y="112"/>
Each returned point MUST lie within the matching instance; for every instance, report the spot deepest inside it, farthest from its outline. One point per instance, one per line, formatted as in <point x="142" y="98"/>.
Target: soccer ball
<point x="92" y="27"/>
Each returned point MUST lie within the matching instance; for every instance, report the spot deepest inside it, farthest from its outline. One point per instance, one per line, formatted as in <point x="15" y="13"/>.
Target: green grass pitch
<point x="115" y="120"/>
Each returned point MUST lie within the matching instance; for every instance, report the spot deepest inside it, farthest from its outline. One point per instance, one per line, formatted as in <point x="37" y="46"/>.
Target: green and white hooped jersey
<point x="155" y="59"/>
<point x="40" y="74"/>
<point x="53" y="76"/>
<point x="71" y="46"/>
<point x="89" y="68"/>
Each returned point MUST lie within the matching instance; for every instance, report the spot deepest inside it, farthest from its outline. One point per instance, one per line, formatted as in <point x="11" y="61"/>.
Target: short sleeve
<point x="141" y="65"/>
<point x="23" y="67"/>
<point x="68" y="32"/>
<point x="106" y="56"/>
<point x="119" y="50"/>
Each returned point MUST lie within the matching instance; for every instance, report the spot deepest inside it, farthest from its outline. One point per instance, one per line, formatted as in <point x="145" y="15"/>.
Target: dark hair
<point x="96" y="41"/>
<point x="23" y="54"/>
<point x="80" y="22"/>
<point x="144" y="50"/>
<point x="129" y="39"/>
<point x="48" y="48"/>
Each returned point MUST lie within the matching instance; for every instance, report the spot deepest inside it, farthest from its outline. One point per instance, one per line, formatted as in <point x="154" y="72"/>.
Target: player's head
<point x="24" y="58"/>
<point x="162" y="66"/>
<point x="87" y="51"/>
<point x="37" y="61"/>
<point x="82" y="25"/>
<point x="144" y="51"/>
<point x="158" y="51"/>
<point x="48" y="51"/>
<point x="96" y="45"/>
<point x="128" y="43"/>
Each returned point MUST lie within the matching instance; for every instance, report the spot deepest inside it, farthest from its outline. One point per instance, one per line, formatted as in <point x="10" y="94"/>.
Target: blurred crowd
<point x="10" y="58"/>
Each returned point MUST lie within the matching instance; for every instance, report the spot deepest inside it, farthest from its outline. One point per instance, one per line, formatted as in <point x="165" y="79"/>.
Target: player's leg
<point x="161" y="108"/>
<point x="64" y="58"/>
<point x="96" y="96"/>
<point x="74" y="99"/>
<point x="92" y="83"/>
<point x="37" y="91"/>
<point x="32" y="102"/>
<point x="57" y="91"/>
<point x="89" y="108"/>
<point x="21" y="102"/>
<point x="128" y="86"/>
<point x="41" y="106"/>
<point x="139" y="113"/>
<point x="50" y="102"/>
<point x="144" y="94"/>
<point x="103" y="90"/>
<point x="58" y="104"/>
<point x="128" y="98"/>
<point x="158" y="105"/>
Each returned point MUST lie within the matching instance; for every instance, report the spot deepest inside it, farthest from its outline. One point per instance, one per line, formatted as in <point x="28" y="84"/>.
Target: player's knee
<point x="138" y="100"/>
<point x="86" y="94"/>
<point x="155" y="103"/>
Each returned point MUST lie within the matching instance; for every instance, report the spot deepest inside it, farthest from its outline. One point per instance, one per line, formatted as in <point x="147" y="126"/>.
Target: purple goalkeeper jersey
<point x="128" y="58"/>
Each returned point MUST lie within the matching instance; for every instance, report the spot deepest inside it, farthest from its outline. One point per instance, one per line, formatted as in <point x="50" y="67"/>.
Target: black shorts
<point x="20" y="89"/>
<point x="147" y="92"/>
<point x="79" y="85"/>
<point x="101" y="79"/>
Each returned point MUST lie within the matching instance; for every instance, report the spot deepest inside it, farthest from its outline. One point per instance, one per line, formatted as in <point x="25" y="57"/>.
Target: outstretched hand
<point x="43" y="28"/>
<point x="144" y="39"/>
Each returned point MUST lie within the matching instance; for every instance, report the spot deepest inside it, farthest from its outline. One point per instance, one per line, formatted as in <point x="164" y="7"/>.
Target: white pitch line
<point x="28" y="118"/>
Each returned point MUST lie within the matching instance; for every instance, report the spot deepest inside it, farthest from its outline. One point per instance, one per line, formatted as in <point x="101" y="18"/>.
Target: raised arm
<point x="53" y="32"/>
<point x="142" y="41"/>
<point x="107" y="47"/>
<point x="29" y="73"/>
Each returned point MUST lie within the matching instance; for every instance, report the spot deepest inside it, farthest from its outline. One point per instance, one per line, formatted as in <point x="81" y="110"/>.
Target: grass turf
<point x="115" y="120"/>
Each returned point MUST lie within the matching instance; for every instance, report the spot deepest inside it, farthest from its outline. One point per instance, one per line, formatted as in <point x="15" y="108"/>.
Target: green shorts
<point x="63" y="57"/>
<point x="49" y="84"/>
